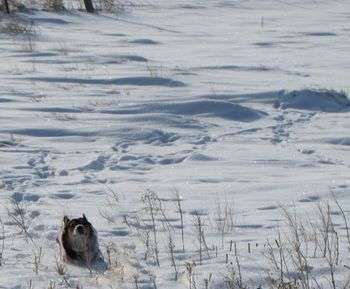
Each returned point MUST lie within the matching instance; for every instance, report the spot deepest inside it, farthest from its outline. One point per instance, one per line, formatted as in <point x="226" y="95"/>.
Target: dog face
<point x="78" y="233"/>
<point x="78" y="242"/>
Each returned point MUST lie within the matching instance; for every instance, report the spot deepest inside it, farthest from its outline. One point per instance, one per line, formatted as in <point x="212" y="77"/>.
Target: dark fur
<point x="78" y="241"/>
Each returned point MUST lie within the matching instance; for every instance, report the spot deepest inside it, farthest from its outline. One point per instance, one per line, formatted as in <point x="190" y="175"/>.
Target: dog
<point x="78" y="242"/>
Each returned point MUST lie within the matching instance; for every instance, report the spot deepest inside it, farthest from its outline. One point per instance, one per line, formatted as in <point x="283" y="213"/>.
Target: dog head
<point x="78" y="235"/>
<point x="78" y="242"/>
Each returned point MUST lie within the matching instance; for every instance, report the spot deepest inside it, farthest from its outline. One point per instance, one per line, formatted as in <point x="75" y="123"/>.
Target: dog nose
<point x="80" y="229"/>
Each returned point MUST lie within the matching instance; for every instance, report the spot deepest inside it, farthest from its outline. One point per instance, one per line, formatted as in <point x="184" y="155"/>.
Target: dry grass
<point x="53" y="4"/>
<point x="61" y="268"/>
<point x="18" y="26"/>
<point x="17" y="213"/>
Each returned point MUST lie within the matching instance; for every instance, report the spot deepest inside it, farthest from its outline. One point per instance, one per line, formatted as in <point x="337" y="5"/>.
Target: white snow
<point x="234" y="104"/>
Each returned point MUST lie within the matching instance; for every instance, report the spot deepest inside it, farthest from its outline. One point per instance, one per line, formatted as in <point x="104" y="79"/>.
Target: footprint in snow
<point x="268" y="208"/>
<point x="309" y="199"/>
<point x="64" y="196"/>
<point x="28" y="197"/>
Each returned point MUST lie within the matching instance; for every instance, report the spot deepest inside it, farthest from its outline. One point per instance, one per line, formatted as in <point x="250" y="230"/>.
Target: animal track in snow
<point x="63" y="195"/>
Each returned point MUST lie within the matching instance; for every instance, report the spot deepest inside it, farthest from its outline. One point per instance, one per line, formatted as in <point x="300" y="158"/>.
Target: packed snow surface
<point x="240" y="107"/>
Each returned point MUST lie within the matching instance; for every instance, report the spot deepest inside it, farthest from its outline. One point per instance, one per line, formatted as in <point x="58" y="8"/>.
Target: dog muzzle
<point x="79" y="230"/>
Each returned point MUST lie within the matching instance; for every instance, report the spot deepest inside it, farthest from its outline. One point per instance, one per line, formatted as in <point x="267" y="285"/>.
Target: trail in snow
<point x="232" y="103"/>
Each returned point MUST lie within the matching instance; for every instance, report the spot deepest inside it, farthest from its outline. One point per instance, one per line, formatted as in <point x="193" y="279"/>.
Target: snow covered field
<point x="241" y="107"/>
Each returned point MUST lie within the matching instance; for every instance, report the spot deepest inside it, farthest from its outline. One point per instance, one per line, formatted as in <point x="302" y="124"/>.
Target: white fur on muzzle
<point x="89" y="248"/>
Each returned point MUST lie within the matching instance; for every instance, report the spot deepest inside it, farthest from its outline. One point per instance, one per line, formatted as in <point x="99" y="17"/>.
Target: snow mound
<point x="344" y="141"/>
<point x="137" y="81"/>
<point x="315" y="100"/>
<point x="208" y="108"/>
<point x="201" y="157"/>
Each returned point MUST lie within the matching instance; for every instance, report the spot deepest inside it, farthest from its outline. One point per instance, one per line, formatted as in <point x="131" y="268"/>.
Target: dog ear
<point x="85" y="219"/>
<point x="65" y="220"/>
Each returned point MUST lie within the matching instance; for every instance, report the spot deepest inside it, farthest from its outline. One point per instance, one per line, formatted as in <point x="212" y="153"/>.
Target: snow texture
<point x="239" y="106"/>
